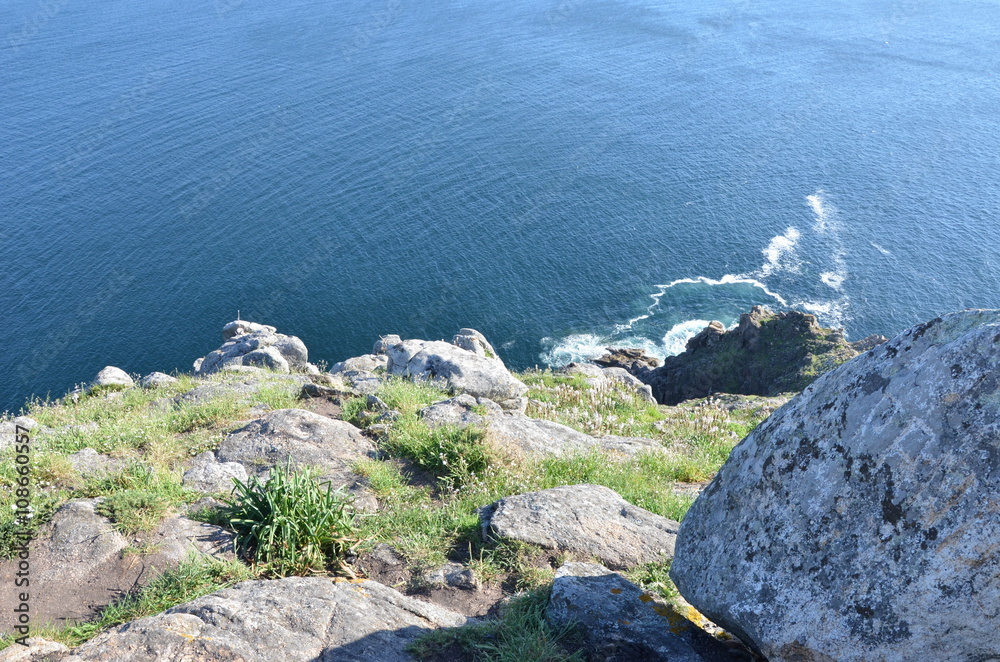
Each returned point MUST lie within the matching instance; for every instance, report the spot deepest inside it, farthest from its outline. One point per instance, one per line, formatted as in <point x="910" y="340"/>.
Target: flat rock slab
<point x="302" y="438"/>
<point x="77" y="565"/>
<point x="510" y="430"/>
<point x="295" y="619"/>
<point x="590" y="520"/>
<point x="621" y="622"/>
<point x="860" y="521"/>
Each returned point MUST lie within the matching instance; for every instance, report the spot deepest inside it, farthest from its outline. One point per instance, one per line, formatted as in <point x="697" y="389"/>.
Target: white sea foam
<point x="833" y="279"/>
<point x="575" y="347"/>
<point x="676" y="339"/>
<point x="779" y="255"/>
<point x="880" y="249"/>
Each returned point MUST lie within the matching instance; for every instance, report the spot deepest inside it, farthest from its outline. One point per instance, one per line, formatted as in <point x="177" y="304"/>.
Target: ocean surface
<point x="559" y="174"/>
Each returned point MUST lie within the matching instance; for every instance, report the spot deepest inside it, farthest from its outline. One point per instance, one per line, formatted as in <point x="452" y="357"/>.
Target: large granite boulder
<point x="766" y="354"/>
<point x="258" y="345"/>
<point x="478" y="371"/>
<point x="590" y="520"/>
<point x="859" y="522"/>
<point x="298" y="619"/>
<point x="622" y="623"/>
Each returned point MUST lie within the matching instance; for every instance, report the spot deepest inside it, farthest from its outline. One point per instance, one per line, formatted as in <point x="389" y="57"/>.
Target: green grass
<point x="520" y="634"/>
<point x="291" y="524"/>
<point x="655" y="578"/>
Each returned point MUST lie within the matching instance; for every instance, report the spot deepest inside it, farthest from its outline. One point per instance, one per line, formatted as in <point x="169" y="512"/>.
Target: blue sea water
<point x="560" y="174"/>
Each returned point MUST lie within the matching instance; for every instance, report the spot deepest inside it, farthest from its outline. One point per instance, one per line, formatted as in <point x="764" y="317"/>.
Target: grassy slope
<point x="427" y="523"/>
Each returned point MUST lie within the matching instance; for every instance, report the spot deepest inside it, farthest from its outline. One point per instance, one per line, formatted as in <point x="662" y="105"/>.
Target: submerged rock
<point x="858" y="523"/>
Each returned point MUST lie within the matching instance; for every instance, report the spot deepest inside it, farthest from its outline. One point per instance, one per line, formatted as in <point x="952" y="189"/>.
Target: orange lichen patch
<point x="616" y="591"/>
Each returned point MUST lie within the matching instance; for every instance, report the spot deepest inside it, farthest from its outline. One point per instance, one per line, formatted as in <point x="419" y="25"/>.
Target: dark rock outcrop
<point x="636" y="361"/>
<point x="620" y="622"/>
<point x="859" y="522"/>
<point x="766" y="354"/>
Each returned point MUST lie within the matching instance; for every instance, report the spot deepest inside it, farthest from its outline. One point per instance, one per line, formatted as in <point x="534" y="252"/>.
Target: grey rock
<point x="304" y="439"/>
<point x="298" y="619"/>
<point x="458" y="370"/>
<point x="210" y="476"/>
<point x="112" y="378"/>
<point x="37" y="650"/>
<point x="454" y="575"/>
<point x="266" y="357"/>
<point x="859" y="521"/>
<point x="156" y="380"/>
<point x="362" y="381"/>
<point x="387" y="555"/>
<point x="9" y="428"/>
<point x="509" y="430"/>
<point x="623" y="377"/>
<point x="311" y="390"/>
<point x="368" y="362"/>
<point x="242" y="327"/>
<point x="375" y="403"/>
<point x="255" y="345"/>
<point x="383" y="344"/>
<point x="588" y="370"/>
<point x="621" y="622"/>
<point x="589" y="520"/>
<point x="475" y="342"/>
<point x="177" y="537"/>
<point x="629" y="446"/>
<point x="89" y="462"/>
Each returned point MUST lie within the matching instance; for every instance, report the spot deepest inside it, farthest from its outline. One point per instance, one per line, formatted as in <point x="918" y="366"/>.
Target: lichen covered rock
<point x="859" y="523"/>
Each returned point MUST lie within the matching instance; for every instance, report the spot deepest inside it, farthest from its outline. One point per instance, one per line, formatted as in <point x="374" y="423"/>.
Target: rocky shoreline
<point x="485" y="507"/>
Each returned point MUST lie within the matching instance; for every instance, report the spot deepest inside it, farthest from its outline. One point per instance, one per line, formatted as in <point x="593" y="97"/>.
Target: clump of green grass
<point x="292" y="524"/>
<point x="608" y="408"/>
<point x="520" y="634"/>
<point x="655" y="578"/>
<point x="134" y="510"/>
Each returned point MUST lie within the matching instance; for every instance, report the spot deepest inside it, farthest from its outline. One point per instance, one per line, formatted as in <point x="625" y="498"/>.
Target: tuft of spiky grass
<point x="292" y="524"/>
